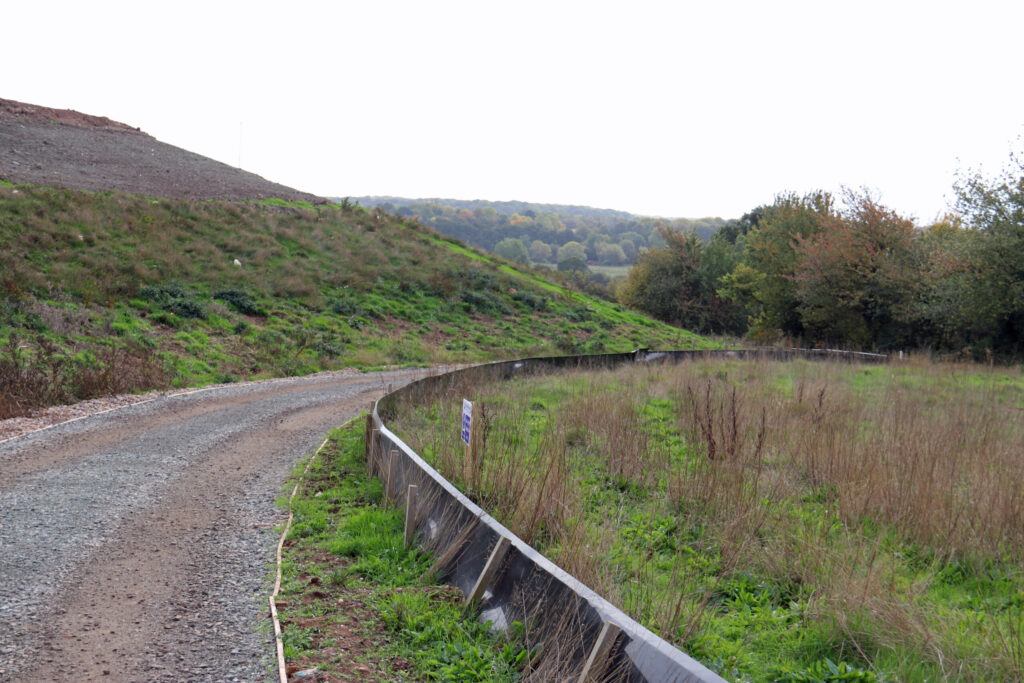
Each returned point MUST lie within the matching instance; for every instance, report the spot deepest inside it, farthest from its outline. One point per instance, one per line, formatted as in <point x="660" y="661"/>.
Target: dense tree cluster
<point x="611" y="238"/>
<point x="851" y="273"/>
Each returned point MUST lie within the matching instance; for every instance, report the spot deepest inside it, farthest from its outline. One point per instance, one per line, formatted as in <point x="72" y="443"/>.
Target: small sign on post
<point x="467" y="421"/>
<point x="467" y="438"/>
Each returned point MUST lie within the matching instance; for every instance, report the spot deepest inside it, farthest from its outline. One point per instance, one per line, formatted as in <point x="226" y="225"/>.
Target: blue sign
<point x="467" y="420"/>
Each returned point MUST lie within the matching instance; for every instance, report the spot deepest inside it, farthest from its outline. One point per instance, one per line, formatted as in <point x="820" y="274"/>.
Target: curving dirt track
<point x="135" y="545"/>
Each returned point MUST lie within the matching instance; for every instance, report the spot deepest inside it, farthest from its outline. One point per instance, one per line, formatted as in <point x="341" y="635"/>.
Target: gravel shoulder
<point x="135" y="543"/>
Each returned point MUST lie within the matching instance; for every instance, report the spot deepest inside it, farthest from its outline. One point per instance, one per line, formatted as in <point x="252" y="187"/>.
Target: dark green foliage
<point x="345" y="307"/>
<point x="856" y="279"/>
<point x="994" y="290"/>
<point x="531" y="300"/>
<point x="174" y="298"/>
<point x="763" y="281"/>
<point x="512" y="249"/>
<point x="328" y="347"/>
<point x="486" y="224"/>
<point x="854" y="275"/>
<point x="678" y="283"/>
<point x="573" y="264"/>
<point x="578" y="315"/>
<point x="240" y="300"/>
<point x="485" y="302"/>
<point x="827" y="671"/>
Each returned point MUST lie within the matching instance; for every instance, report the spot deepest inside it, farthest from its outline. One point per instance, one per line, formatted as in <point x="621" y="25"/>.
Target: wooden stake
<point x="392" y="459"/>
<point x="490" y="569"/>
<point x="597" y="662"/>
<point x="368" y="434"/>
<point x="372" y="460"/>
<point x="410" y="514"/>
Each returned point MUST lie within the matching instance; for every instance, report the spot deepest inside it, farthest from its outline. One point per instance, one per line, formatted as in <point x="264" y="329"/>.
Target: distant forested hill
<point x="506" y="208"/>
<point x="543" y="233"/>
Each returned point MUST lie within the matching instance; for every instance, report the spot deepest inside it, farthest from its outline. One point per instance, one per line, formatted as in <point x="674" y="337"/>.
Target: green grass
<point x="319" y="287"/>
<point x="346" y="547"/>
<point x="850" y="545"/>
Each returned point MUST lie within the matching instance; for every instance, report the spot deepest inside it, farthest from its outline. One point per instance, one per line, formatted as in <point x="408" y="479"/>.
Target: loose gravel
<point x="135" y="543"/>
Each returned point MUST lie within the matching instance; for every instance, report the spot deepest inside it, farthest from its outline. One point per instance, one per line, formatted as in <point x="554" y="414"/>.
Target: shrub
<point x="486" y="302"/>
<point x="579" y="314"/>
<point x="327" y="347"/>
<point x="345" y="307"/>
<point x="186" y="308"/>
<point x="534" y="302"/>
<point x="174" y="298"/>
<point x="240" y="300"/>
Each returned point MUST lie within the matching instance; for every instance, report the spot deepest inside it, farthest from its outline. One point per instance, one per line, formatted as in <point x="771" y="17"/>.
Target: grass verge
<point x="358" y="605"/>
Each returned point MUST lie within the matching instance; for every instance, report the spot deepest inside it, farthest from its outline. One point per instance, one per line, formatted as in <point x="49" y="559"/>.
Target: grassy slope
<point x="318" y="288"/>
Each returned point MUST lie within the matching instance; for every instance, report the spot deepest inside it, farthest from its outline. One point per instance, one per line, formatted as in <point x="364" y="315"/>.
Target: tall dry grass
<point x="36" y="374"/>
<point x="853" y="488"/>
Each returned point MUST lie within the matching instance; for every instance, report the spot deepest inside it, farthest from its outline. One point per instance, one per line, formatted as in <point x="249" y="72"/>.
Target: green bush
<point x="530" y="300"/>
<point x="485" y="302"/>
<point x="174" y="298"/>
<point x="186" y="308"/>
<point x="579" y="314"/>
<point x="345" y="307"/>
<point x="239" y="300"/>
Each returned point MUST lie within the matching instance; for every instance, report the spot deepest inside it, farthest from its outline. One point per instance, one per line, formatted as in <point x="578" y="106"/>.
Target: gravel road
<point x="135" y="544"/>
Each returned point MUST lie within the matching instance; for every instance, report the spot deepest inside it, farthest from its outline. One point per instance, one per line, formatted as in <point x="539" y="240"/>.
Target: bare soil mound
<point x="65" y="148"/>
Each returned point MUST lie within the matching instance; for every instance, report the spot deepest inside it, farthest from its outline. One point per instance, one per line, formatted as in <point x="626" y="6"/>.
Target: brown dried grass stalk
<point x="935" y="454"/>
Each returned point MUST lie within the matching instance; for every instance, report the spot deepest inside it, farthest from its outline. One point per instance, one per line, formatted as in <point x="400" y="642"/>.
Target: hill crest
<point x="71" y="150"/>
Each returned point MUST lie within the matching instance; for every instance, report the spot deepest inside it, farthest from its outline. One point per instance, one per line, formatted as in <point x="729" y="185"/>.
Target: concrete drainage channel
<point x="582" y="635"/>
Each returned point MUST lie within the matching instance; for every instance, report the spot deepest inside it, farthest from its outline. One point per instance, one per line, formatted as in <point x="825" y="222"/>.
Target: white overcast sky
<point x="659" y="108"/>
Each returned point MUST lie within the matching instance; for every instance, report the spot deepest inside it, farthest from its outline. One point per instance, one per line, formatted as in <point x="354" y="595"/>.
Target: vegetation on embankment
<point x="357" y="604"/>
<point x="802" y="521"/>
<point x="107" y="292"/>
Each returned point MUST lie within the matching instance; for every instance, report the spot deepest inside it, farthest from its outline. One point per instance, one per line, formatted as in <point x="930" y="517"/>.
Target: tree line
<point x="544" y="233"/>
<point x="851" y="272"/>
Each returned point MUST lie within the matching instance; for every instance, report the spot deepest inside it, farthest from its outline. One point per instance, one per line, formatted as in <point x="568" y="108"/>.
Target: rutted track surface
<point x="134" y="545"/>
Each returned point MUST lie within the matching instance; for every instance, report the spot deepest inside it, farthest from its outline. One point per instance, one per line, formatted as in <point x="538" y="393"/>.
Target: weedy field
<point x="778" y="521"/>
<point x="104" y="293"/>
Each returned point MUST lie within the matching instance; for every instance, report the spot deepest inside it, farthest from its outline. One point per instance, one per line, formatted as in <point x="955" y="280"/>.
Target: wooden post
<point x="597" y="662"/>
<point x="374" y="466"/>
<point x="490" y="569"/>
<point x="389" y="482"/>
<point x="368" y="435"/>
<point x="410" y="514"/>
